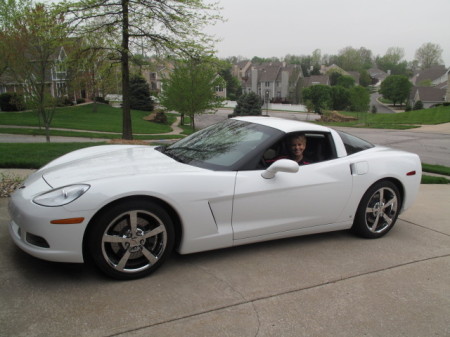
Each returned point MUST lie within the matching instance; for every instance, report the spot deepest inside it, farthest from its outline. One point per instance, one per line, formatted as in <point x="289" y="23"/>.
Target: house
<point x="431" y="86"/>
<point x="377" y="76"/>
<point x="56" y="78"/>
<point x="316" y="79"/>
<point x="430" y="96"/>
<point x="433" y="76"/>
<point x="240" y="69"/>
<point x="155" y="73"/>
<point x="275" y="82"/>
<point x="327" y="70"/>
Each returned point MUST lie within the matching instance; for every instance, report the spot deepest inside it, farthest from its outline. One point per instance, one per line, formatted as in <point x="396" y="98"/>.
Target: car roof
<point x="285" y="125"/>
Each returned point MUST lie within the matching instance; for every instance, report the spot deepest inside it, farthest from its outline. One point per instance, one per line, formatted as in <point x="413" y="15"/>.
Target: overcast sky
<point x="269" y="28"/>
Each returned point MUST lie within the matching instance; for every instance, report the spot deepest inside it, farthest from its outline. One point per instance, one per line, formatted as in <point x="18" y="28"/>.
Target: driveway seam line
<point x="280" y="294"/>
<point x="427" y="228"/>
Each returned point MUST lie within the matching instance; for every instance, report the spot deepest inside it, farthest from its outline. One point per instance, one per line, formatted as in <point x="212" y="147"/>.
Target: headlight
<point x="61" y="196"/>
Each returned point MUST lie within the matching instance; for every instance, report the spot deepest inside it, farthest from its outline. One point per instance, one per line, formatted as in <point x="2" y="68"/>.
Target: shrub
<point x="408" y="106"/>
<point x="11" y="102"/>
<point x="160" y="117"/>
<point x="418" y="105"/>
<point x="101" y="100"/>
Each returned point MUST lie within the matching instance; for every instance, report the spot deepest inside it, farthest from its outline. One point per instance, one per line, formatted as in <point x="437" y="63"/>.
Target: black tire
<point x="131" y="240"/>
<point x="378" y="210"/>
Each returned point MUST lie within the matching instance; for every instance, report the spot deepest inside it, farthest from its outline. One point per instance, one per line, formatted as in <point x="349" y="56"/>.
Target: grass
<point x="438" y="169"/>
<point x="83" y="117"/>
<point x="35" y="155"/>
<point x="41" y="132"/>
<point x="434" y="180"/>
<point x="401" y="120"/>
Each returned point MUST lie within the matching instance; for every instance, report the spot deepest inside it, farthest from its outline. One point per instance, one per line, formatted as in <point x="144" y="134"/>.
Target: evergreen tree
<point x="140" y="98"/>
<point x="248" y="105"/>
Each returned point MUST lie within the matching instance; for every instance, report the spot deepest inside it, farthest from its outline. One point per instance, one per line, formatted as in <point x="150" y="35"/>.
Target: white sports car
<point x="127" y="207"/>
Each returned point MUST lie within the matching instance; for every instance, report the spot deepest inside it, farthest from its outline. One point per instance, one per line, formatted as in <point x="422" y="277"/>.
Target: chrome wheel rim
<point x="134" y="241"/>
<point x="381" y="210"/>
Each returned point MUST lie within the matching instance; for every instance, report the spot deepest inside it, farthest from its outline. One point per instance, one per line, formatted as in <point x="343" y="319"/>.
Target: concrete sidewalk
<point x="331" y="284"/>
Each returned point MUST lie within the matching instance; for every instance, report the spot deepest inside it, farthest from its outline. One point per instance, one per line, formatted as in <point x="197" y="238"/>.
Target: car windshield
<point x="223" y="146"/>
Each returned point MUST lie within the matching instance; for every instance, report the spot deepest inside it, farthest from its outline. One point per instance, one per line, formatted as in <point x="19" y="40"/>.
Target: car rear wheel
<point x="378" y="210"/>
<point x="131" y="240"/>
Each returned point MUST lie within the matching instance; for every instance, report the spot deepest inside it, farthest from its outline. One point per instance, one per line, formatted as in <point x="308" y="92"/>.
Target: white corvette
<point x="127" y="207"/>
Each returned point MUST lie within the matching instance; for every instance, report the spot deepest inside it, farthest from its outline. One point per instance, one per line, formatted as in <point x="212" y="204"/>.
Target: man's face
<point x="298" y="145"/>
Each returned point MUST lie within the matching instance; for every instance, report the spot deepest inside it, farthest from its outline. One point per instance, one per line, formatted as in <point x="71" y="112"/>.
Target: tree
<point x="355" y="59"/>
<point x="334" y="77"/>
<point x="359" y="99"/>
<point x="346" y="81"/>
<point x="392" y="61"/>
<point x="319" y="95"/>
<point x="38" y="34"/>
<point x="248" y="105"/>
<point x="234" y="88"/>
<point x="140" y="94"/>
<point x="10" y="11"/>
<point x="364" y="78"/>
<point x="162" y="27"/>
<point x="396" y="88"/>
<point x="340" y="98"/>
<point x="191" y="87"/>
<point x="429" y="54"/>
<point x="91" y="69"/>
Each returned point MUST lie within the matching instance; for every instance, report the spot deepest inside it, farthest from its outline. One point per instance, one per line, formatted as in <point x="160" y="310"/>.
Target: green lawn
<point x="35" y="155"/>
<point x="401" y="120"/>
<point x="82" y="117"/>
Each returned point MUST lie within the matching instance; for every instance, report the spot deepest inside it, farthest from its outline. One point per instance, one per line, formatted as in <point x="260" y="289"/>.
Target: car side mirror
<point x="282" y="165"/>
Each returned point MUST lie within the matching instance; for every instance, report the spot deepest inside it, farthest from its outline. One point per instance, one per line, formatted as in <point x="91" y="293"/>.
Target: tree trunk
<point x="127" y="132"/>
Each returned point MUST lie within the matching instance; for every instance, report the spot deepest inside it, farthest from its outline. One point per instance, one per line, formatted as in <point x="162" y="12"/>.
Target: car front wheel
<point x="131" y="240"/>
<point x="378" y="210"/>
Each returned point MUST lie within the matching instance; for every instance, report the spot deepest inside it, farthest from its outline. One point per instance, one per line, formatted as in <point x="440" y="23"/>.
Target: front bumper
<point x="31" y="231"/>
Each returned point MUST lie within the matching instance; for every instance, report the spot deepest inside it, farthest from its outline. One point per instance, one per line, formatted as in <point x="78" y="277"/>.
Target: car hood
<point x="108" y="161"/>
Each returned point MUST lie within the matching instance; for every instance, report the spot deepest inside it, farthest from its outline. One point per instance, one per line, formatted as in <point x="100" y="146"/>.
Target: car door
<point x="315" y="195"/>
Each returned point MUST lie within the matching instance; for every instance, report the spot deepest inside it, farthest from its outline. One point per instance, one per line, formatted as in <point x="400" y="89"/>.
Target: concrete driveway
<point x="331" y="284"/>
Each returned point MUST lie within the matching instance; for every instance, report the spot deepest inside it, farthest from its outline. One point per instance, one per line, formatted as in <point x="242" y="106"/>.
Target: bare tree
<point x="429" y="54"/>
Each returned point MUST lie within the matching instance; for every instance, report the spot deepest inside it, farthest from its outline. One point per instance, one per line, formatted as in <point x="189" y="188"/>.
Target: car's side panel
<point x="203" y="201"/>
<point x="315" y="195"/>
<point x="381" y="163"/>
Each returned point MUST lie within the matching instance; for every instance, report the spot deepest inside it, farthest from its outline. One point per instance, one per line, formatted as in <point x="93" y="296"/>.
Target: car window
<point x="319" y="147"/>
<point x="354" y="144"/>
<point x="223" y="146"/>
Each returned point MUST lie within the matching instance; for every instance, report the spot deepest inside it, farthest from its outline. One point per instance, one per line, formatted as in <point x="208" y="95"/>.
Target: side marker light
<point x="67" y="221"/>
